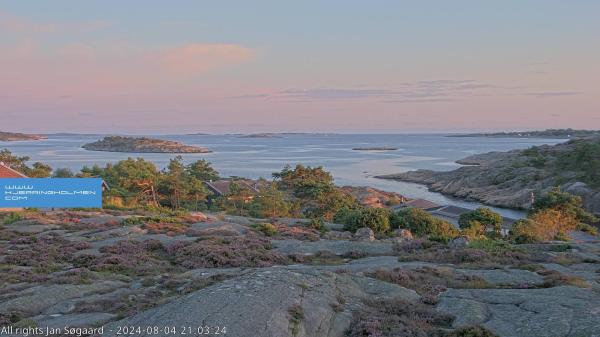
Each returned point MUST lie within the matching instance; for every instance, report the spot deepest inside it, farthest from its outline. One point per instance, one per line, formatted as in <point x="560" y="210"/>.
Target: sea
<point x="234" y="155"/>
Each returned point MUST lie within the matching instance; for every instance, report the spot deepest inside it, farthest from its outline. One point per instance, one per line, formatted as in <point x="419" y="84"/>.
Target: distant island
<point x="549" y="133"/>
<point x="261" y="135"/>
<point x="142" y="145"/>
<point x="13" y="137"/>
<point x="381" y="148"/>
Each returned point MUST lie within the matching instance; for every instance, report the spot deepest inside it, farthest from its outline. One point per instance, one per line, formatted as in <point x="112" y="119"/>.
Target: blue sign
<point x="50" y="192"/>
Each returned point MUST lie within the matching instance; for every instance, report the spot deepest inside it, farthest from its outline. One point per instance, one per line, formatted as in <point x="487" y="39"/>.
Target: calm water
<point x="259" y="157"/>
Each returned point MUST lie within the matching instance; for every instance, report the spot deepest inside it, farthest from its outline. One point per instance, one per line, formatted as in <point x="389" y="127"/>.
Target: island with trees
<point x="548" y="133"/>
<point x="142" y="145"/>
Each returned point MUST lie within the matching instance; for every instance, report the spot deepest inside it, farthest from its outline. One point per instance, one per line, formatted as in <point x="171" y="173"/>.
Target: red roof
<point x="7" y="172"/>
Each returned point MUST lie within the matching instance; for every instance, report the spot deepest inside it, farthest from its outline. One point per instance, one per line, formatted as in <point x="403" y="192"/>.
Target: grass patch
<point x="12" y="217"/>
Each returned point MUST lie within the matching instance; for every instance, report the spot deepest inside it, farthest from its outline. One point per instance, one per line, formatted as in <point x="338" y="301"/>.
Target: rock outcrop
<point x="508" y="179"/>
<point x="272" y="302"/>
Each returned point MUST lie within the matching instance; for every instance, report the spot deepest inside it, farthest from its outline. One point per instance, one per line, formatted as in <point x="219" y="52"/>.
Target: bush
<point x="588" y="229"/>
<point x="421" y="223"/>
<point x="544" y="225"/>
<point x="482" y="216"/>
<point x="12" y="217"/>
<point x="377" y="219"/>
<point x="266" y="228"/>
<point x="491" y="246"/>
<point x="316" y="223"/>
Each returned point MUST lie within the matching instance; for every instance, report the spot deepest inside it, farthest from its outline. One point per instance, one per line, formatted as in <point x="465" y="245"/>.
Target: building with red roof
<point x="8" y="172"/>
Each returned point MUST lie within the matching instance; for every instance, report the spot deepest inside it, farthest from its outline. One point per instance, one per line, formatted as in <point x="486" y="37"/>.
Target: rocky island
<point x="13" y="137"/>
<point x="261" y="135"/>
<point x="380" y="148"/>
<point x="142" y="145"/>
<point x="508" y="179"/>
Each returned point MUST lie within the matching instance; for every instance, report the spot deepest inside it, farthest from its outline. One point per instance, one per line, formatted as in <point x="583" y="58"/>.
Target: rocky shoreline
<point x="508" y="179"/>
<point x="14" y="137"/>
<point x="142" y="145"/>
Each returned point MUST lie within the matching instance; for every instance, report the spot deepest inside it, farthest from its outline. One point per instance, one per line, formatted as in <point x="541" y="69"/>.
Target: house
<point x="8" y="172"/>
<point x="417" y="203"/>
<point x="222" y="188"/>
<point x="452" y="214"/>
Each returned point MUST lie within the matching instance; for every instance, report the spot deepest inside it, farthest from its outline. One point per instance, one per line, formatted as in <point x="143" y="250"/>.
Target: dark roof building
<point x="222" y="187"/>
<point x="418" y="203"/>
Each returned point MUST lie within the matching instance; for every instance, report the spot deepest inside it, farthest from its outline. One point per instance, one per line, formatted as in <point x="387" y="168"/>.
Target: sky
<point x="298" y="66"/>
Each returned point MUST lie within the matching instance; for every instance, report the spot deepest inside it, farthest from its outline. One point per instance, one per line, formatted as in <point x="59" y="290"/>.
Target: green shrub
<point x="266" y="228"/>
<point x="491" y="246"/>
<point x="316" y="223"/>
<point x="588" y="229"/>
<point x="421" y="223"/>
<point x="12" y="217"/>
<point x="378" y="219"/>
<point x="483" y="216"/>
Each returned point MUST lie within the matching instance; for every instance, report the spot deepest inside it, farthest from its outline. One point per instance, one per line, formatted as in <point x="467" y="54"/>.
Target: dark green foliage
<point x="378" y="219"/>
<point x="481" y="216"/>
<point x="12" y="217"/>
<point x="202" y="170"/>
<point x="585" y="158"/>
<point x="314" y="190"/>
<point x="305" y="182"/>
<point x="139" y="183"/>
<point x="63" y="173"/>
<point x="37" y="170"/>
<point x="421" y="223"/>
<point x="270" y="203"/>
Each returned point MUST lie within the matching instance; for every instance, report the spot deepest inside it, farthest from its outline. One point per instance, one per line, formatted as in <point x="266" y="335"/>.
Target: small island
<point x="261" y="135"/>
<point x="13" y="137"/>
<point x="379" y="148"/>
<point x="142" y="145"/>
<point x="549" y="133"/>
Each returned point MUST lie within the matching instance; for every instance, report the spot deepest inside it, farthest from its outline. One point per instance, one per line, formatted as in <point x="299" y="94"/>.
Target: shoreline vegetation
<point x="142" y="145"/>
<point x="15" y="136"/>
<point x="549" y="133"/>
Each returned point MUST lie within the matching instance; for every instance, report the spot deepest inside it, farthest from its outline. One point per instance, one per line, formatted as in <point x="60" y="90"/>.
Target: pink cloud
<point x="31" y="69"/>
<point x="201" y="57"/>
